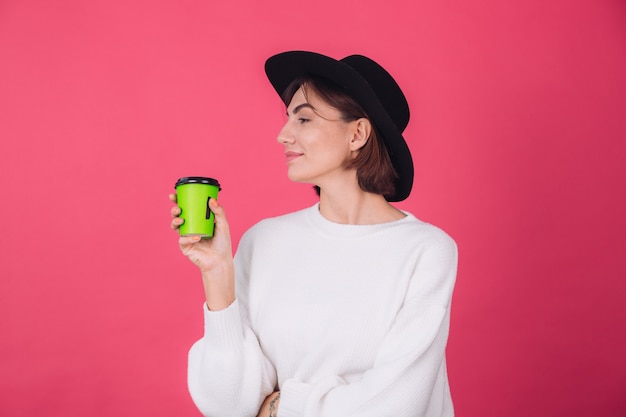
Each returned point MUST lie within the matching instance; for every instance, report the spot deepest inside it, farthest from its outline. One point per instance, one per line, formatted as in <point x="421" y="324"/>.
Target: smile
<point x="290" y="155"/>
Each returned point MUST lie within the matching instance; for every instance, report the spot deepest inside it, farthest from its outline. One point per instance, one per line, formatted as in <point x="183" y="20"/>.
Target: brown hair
<point x="375" y="172"/>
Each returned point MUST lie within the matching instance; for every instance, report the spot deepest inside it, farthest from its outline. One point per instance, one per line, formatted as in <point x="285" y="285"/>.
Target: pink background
<point x="518" y="131"/>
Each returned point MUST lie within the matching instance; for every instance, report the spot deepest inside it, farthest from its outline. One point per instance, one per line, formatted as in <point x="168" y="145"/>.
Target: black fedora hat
<point x="370" y="85"/>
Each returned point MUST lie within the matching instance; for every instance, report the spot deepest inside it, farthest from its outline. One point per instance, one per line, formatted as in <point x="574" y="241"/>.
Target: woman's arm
<point x="270" y="405"/>
<point x="228" y="374"/>
<point x="213" y="257"/>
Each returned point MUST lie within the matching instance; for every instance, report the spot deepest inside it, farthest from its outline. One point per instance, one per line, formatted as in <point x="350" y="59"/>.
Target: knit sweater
<point x="344" y="320"/>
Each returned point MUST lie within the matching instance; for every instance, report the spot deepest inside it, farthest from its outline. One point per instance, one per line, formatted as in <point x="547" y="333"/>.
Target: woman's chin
<point x="297" y="177"/>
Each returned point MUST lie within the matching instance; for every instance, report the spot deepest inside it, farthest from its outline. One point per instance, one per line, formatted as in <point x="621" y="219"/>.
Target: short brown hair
<point x="375" y="172"/>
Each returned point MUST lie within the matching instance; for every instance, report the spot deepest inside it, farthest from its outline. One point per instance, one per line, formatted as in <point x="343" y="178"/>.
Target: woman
<point x="341" y="309"/>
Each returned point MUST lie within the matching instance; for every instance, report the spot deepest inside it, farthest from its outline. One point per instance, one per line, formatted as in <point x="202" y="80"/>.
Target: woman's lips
<point x="290" y="155"/>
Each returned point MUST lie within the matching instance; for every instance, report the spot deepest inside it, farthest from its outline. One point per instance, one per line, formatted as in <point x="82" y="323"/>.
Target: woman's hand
<point x="206" y="254"/>
<point x="270" y="405"/>
<point x="214" y="257"/>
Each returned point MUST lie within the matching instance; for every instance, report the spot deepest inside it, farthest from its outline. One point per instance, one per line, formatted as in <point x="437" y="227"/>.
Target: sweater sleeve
<point x="408" y="377"/>
<point x="228" y="374"/>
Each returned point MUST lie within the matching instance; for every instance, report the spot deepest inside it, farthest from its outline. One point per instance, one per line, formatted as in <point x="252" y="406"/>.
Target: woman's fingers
<point x="176" y="222"/>
<point x="221" y="224"/>
<point x="188" y="241"/>
<point x="175" y="212"/>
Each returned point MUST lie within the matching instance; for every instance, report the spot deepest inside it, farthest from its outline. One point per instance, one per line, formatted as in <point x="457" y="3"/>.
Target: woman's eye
<point x="302" y="120"/>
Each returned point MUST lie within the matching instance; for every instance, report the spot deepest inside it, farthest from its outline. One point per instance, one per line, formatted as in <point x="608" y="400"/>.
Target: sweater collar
<point x="327" y="227"/>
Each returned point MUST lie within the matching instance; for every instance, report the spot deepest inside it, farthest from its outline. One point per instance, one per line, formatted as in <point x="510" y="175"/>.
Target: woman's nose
<point x="285" y="136"/>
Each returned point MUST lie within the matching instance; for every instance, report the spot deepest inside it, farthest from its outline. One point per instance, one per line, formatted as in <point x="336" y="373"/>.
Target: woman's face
<point x="317" y="140"/>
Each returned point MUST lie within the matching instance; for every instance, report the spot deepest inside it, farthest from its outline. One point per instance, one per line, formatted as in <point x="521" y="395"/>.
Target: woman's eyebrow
<point x="300" y="107"/>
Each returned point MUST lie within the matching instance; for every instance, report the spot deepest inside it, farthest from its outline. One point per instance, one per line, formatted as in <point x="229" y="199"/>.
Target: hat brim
<point x="283" y="68"/>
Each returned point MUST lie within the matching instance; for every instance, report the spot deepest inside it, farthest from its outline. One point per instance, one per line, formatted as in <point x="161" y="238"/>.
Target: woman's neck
<point x="355" y="206"/>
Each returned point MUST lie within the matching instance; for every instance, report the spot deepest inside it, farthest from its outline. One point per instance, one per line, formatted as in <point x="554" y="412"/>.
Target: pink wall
<point x="518" y="130"/>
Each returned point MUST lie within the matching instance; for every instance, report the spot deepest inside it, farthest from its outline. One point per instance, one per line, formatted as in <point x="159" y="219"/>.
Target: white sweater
<point x="344" y="320"/>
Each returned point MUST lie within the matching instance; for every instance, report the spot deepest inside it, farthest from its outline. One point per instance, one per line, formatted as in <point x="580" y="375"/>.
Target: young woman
<point x="340" y="309"/>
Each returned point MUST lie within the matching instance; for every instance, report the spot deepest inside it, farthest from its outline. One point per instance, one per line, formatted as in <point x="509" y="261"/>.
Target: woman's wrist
<point x="274" y="405"/>
<point x="219" y="287"/>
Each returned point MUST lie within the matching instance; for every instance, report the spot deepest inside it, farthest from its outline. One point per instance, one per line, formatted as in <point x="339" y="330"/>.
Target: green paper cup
<point x="193" y="194"/>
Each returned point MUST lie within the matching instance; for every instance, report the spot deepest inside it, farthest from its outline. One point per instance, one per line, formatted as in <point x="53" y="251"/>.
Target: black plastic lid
<point x="197" y="180"/>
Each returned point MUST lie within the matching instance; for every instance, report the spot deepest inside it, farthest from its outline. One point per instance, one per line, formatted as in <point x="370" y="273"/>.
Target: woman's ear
<point x="361" y="133"/>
